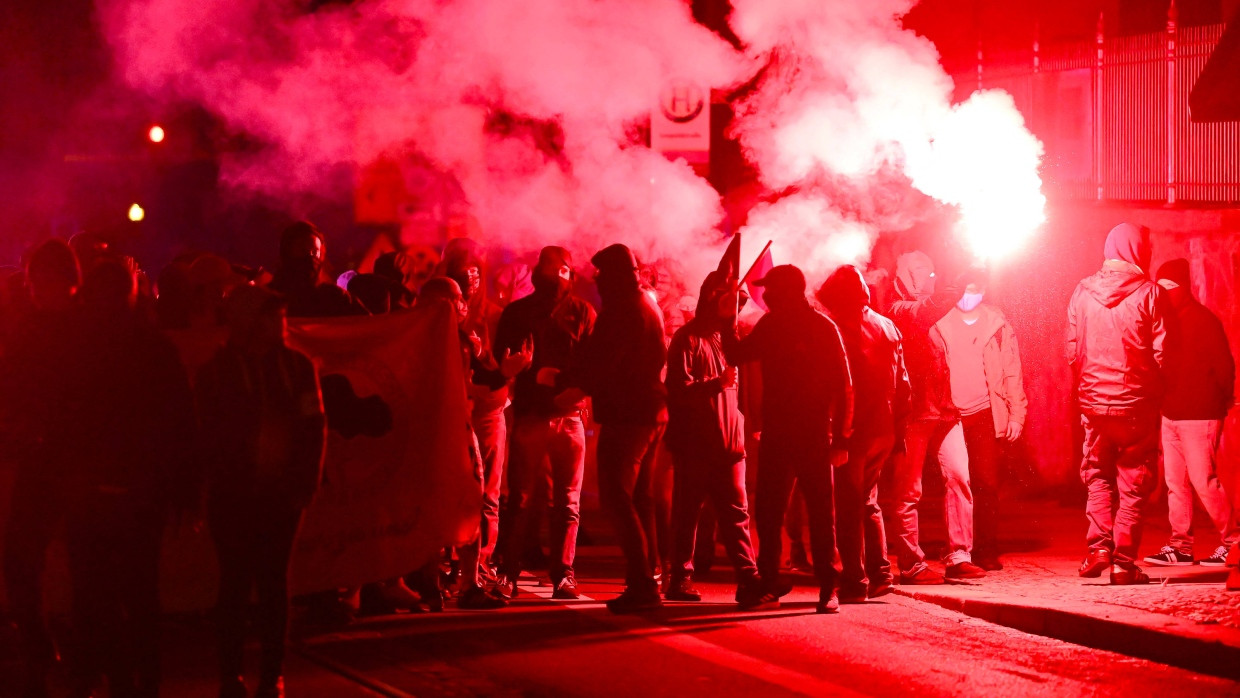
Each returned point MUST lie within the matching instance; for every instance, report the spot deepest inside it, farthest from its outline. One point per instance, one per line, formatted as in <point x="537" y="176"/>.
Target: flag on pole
<point x="764" y="263"/>
<point x="730" y="263"/>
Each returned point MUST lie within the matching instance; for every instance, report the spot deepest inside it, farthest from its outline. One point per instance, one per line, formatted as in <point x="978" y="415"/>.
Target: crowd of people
<point x="116" y="432"/>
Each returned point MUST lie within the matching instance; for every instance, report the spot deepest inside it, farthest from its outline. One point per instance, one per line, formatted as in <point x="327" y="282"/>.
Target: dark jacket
<point x="915" y="311"/>
<point x="316" y="300"/>
<point x="881" y="390"/>
<point x="1201" y="373"/>
<point x="622" y="362"/>
<point x="1117" y="336"/>
<point x="137" y="430"/>
<point x="263" y="426"/>
<point x="807" y="390"/>
<point x="704" y="420"/>
<point x="557" y="324"/>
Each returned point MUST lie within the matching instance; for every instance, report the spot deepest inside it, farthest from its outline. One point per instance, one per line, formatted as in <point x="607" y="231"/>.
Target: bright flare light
<point x="156" y="134"/>
<point x="984" y="161"/>
<point x="136" y="213"/>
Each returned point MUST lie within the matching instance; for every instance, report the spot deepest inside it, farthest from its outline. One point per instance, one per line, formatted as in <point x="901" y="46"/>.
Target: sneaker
<point x="505" y="588"/>
<point x="964" y="570"/>
<point x="828" y="602"/>
<point x="1095" y="562"/>
<point x="1123" y="574"/>
<point x="566" y="588"/>
<point x="1233" y="579"/>
<point x="477" y="599"/>
<point x="1218" y="559"/>
<point x="1170" y="556"/>
<point x="750" y="597"/>
<point x="634" y="601"/>
<point x="921" y="574"/>
<point x="881" y="587"/>
<point x="680" y="589"/>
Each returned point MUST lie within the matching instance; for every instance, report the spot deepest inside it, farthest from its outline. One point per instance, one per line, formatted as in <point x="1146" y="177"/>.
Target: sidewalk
<point x="1184" y="617"/>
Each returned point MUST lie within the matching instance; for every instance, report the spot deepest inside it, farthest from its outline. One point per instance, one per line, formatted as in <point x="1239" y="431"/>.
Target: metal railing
<point x="1113" y="115"/>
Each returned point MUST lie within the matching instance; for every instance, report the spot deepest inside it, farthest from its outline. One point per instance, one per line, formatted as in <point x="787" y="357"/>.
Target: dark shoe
<point x="990" y="563"/>
<point x="1218" y="559"/>
<point x="828" y="603"/>
<point x="881" y="587"/>
<point x="634" y="601"/>
<point x="1095" y="562"/>
<point x="270" y="688"/>
<point x="233" y="687"/>
<point x="505" y="587"/>
<point x="566" y="588"/>
<point x="1123" y="574"/>
<point x="1170" y="557"/>
<point x="749" y="596"/>
<point x="964" y="570"/>
<point x="477" y="599"/>
<point x="681" y="589"/>
<point x="921" y="574"/>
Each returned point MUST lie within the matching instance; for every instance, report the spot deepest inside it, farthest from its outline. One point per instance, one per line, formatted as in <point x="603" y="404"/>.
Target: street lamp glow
<point x="136" y="213"/>
<point x="156" y="134"/>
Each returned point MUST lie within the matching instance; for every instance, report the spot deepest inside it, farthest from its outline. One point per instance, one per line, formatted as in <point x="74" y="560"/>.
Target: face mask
<point x="969" y="301"/>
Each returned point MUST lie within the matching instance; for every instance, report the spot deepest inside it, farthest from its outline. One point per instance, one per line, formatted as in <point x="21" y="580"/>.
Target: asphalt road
<point x="886" y="647"/>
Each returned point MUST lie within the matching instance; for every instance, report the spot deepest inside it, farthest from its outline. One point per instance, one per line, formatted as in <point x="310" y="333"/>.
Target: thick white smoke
<point x="853" y="103"/>
<point x="851" y="118"/>
<point x="346" y="85"/>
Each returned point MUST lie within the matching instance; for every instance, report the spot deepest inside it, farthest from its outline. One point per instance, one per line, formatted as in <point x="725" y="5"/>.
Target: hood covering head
<point x="402" y="270"/>
<point x="845" y="293"/>
<point x="1129" y="243"/>
<point x="617" y="259"/>
<point x="712" y="290"/>
<point x="546" y="274"/>
<point x="1175" y="273"/>
<point x="914" y="275"/>
<point x="456" y="265"/>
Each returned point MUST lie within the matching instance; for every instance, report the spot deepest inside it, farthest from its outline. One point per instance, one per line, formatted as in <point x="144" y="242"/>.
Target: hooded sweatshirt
<point x="704" y="419"/>
<point x="916" y="308"/>
<point x="1201" y="372"/>
<point x="1117" y="331"/>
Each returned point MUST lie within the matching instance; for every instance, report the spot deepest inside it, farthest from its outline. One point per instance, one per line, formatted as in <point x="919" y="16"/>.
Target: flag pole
<point x="755" y="263"/>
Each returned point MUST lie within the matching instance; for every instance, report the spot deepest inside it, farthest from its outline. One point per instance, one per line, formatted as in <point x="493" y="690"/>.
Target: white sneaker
<point x="1218" y="559"/>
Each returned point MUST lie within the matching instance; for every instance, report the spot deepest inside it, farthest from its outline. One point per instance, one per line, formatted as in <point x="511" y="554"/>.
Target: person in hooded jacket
<point x="933" y="426"/>
<point x="1117" y="341"/>
<point x="38" y="372"/>
<point x="881" y="403"/>
<point x="987" y="388"/>
<point x="807" y="412"/>
<point x="300" y="276"/>
<point x="263" y="436"/>
<point x="135" y="467"/>
<point x="706" y="439"/>
<point x="621" y="369"/>
<point x="1200" y="393"/>
<point x="553" y="323"/>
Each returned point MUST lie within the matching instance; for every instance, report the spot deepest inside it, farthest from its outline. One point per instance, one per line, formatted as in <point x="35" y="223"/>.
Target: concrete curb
<point x="1206" y="649"/>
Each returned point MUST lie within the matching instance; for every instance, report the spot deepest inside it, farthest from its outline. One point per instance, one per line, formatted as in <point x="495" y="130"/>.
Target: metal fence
<point x="1113" y="115"/>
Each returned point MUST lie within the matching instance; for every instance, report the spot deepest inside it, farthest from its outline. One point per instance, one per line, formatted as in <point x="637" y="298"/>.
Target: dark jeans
<point x="696" y="481"/>
<point x="626" y="454"/>
<point x="253" y="543"/>
<point x="1120" y="465"/>
<point x="983" y="448"/>
<point x="785" y="462"/>
<point x="858" y="517"/>
<point x="113" y="541"/>
<point x="35" y="511"/>
<point x="542" y="446"/>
